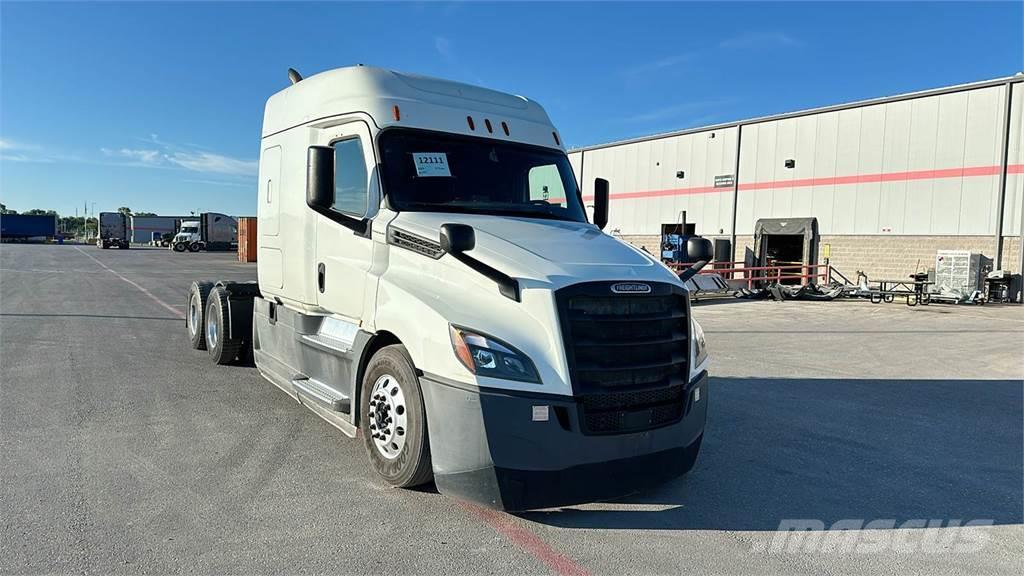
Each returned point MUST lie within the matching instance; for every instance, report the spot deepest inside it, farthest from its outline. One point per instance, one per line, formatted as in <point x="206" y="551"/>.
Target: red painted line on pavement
<point x="906" y="176"/>
<point x="526" y="540"/>
<point x="152" y="296"/>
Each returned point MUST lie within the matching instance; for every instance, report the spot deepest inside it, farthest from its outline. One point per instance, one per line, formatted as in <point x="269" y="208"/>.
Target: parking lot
<point x="124" y="451"/>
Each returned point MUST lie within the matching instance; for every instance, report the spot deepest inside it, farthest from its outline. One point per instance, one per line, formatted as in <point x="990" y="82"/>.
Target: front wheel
<point x="180" y="247"/>
<point x="393" y="421"/>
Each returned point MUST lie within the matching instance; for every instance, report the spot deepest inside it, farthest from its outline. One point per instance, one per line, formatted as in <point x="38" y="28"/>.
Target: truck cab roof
<point x="408" y="100"/>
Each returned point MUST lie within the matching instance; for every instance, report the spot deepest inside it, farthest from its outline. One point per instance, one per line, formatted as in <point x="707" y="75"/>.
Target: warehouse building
<point x="888" y="181"/>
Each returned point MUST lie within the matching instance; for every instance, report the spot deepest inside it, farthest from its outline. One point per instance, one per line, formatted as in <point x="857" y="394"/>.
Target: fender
<point x="240" y="307"/>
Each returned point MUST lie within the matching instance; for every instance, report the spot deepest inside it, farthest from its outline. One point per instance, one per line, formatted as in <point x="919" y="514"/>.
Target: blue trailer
<point x="20" y="227"/>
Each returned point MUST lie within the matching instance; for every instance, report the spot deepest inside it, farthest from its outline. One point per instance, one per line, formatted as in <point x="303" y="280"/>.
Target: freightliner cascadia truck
<point x="429" y="282"/>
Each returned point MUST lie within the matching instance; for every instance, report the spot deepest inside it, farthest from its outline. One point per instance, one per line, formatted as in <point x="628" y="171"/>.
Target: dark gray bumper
<point x="487" y="447"/>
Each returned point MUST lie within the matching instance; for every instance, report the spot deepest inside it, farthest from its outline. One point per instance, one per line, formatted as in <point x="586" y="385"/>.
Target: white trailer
<point x="153" y="229"/>
<point x="113" y="230"/>
<point x="428" y="280"/>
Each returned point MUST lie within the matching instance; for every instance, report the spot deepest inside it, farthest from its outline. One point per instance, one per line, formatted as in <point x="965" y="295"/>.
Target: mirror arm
<point x="692" y="270"/>
<point x="507" y="285"/>
<point x="359" y="226"/>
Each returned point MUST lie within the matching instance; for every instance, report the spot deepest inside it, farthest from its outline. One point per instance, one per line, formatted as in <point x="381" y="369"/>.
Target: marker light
<point x="555" y="134"/>
<point x="504" y="127"/>
<point x="397" y="112"/>
<point x="469" y="120"/>
<point x="487" y="122"/>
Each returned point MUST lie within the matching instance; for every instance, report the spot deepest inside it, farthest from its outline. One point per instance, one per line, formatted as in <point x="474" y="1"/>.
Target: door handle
<point x="321" y="276"/>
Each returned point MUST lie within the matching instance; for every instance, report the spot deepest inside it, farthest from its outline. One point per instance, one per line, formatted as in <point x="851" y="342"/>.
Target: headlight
<point x="485" y="356"/>
<point x="700" y="347"/>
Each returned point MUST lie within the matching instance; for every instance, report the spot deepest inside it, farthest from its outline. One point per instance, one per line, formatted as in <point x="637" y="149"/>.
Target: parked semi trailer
<point x="428" y="280"/>
<point x="211" y="231"/>
<point x="113" y="230"/>
<point x="153" y="229"/>
<point x="19" y="227"/>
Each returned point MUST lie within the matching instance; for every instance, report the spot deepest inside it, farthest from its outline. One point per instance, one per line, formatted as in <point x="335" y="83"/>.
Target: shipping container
<point x="247" y="239"/>
<point x="28" y="226"/>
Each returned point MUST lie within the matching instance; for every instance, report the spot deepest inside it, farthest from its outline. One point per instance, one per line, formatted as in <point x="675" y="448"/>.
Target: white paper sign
<point x="431" y="164"/>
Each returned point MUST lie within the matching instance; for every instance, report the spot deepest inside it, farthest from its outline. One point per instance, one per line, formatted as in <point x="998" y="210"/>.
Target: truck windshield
<point x="437" y="172"/>
<point x="189" y="229"/>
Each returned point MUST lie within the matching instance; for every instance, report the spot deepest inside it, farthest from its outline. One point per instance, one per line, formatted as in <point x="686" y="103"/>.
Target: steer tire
<point x="222" y="349"/>
<point x="409" y="464"/>
<point x="180" y="246"/>
<point x="195" y="313"/>
<point x="690" y="454"/>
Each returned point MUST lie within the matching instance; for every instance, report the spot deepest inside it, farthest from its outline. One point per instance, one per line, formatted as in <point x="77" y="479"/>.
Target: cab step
<point x="322" y="394"/>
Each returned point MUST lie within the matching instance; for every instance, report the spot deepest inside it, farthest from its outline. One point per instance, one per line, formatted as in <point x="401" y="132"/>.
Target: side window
<point x="350" y="180"/>
<point x="546" y="184"/>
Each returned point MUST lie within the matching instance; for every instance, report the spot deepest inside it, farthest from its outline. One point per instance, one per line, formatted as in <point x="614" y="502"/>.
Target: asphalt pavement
<point x="124" y="451"/>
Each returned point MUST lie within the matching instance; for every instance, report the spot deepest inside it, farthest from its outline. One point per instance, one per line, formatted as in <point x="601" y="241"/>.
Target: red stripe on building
<point x="828" y="181"/>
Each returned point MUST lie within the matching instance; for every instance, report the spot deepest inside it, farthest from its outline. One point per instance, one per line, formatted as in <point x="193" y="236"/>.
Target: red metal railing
<point x="774" y="272"/>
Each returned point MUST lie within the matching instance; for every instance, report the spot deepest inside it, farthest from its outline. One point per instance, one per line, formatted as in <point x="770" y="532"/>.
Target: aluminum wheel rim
<point x="193" y="316"/>
<point x="388" y="416"/>
<point x="211" y="333"/>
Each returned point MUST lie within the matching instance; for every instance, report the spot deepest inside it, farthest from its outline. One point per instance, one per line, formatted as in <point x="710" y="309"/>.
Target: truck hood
<point x="554" y="251"/>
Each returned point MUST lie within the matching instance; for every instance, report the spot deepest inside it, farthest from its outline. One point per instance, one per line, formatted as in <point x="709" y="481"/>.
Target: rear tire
<point x="194" y="247"/>
<point x="222" y="349"/>
<point x="195" y="313"/>
<point x="180" y="247"/>
<point x="393" y="420"/>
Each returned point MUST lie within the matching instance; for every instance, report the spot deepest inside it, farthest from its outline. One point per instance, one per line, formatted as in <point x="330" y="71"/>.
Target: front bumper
<point x="495" y="448"/>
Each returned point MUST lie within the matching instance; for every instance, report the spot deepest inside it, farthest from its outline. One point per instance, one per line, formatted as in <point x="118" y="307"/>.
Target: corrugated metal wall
<point x="926" y="165"/>
<point x="1014" y="205"/>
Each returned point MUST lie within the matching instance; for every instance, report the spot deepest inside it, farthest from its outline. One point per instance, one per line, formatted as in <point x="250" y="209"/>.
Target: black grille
<point x="418" y="244"/>
<point x="633" y="411"/>
<point x="628" y="355"/>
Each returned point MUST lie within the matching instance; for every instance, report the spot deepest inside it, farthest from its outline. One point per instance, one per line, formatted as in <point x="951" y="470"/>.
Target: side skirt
<point x="313" y="359"/>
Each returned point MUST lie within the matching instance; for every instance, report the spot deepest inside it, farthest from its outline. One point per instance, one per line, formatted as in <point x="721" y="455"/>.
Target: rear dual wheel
<point x="223" y="348"/>
<point x="195" y="313"/>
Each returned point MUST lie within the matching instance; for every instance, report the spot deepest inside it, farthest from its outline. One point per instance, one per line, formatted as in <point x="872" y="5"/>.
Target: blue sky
<point x="158" y="106"/>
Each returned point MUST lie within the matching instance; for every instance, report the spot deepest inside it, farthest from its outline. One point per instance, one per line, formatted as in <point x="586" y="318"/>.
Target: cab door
<point x="343" y="256"/>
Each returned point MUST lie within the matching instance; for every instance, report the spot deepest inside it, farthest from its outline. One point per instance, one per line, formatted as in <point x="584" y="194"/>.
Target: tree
<point x="125" y="210"/>
<point x="4" y="210"/>
<point x="41" y="212"/>
<point x="143" y="214"/>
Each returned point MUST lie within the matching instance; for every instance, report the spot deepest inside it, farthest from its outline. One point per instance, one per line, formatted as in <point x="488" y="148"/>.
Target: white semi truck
<point x="210" y="231"/>
<point x="428" y="280"/>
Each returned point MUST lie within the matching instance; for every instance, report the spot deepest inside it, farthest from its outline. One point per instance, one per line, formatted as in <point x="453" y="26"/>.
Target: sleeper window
<point x="350" y="181"/>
